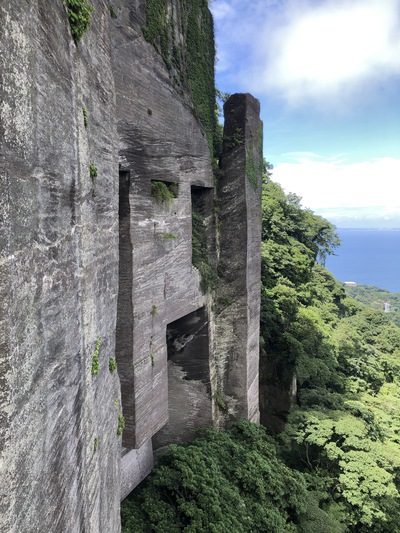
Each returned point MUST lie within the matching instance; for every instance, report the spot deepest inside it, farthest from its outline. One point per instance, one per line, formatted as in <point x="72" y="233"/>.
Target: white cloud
<point x="330" y="183"/>
<point x="222" y="10"/>
<point x="238" y="24"/>
<point x="306" y="50"/>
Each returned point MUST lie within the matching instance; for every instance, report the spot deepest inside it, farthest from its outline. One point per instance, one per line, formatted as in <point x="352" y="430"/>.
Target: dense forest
<point x="376" y="298"/>
<point x="327" y="455"/>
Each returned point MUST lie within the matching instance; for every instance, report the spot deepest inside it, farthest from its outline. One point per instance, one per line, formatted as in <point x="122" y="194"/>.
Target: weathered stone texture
<point x="83" y="260"/>
<point x="236" y="333"/>
<point x="160" y="139"/>
<point x="135" y="465"/>
<point x="59" y="256"/>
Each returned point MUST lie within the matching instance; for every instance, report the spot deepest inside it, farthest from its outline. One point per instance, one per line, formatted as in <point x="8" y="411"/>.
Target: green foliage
<point x="164" y="192"/>
<point x="85" y="116"/>
<point x="254" y="152"/>
<point x="152" y="360"/>
<point x="191" y="64"/>
<point x="169" y="236"/>
<point x="293" y="240"/>
<point x="113" y="11"/>
<point x="344" y="432"/>
<point x="357" y="469"/>
<point x="121" y="425"/>
<point x="200" y="255"/>
<point x="236" y="139"/>
<point x="220" y="402"/>
<point x="112" y="365"/>
<point x="95" y="358"/>
<point x="95" y="444"/>
<point x="225" y="481"/>
<point x="93" y="172"/>
<point x="376" y="298"/>
<point x="79" y="14"/>
<point x="153" y="310"/>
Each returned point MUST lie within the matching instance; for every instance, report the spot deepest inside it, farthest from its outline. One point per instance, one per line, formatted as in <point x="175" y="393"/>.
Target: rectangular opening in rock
<point x="203" y="235"/>
<point x="189" y="388"/>
<point x="124" y="330"/>
<point x="202" y="200"/>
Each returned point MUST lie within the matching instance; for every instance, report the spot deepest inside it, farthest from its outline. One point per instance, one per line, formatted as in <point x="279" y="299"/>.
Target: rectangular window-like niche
<point x="203" y="235"/>
<point x="164" y="192"/>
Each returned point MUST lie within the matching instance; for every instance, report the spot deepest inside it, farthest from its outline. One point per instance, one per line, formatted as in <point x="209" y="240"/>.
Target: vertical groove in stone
<point x="124" y="337"/>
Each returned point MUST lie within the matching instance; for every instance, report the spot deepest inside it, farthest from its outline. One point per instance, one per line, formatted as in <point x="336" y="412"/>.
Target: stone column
<point x="238" y="296"/>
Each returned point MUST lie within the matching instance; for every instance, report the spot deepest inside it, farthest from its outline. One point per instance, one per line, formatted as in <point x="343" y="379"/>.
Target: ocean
<point x="368" y="257"/>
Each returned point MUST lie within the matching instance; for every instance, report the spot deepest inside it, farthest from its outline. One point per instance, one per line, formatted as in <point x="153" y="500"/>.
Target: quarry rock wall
<point x="59" y="273"/>
<point x="96" y="268"/>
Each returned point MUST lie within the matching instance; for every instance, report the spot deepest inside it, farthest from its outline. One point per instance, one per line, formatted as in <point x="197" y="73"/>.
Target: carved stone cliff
<point x="96" y="263"/>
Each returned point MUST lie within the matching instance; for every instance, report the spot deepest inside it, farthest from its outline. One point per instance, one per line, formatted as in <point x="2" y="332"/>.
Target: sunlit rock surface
<point x="93" y="267"/>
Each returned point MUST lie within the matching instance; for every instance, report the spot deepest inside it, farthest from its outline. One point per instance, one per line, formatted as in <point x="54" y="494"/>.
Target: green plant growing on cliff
<point x="85" y="116"/>
<point x="153" y="310"/>
<point x="200" y="255"/>
<point x="236" y="139"/>
<point x="95" y="358"/>
<point x="220" y="402"/>
<point x="255" y="171"/>
<point x="93" y="172"/>
<point x="95" y="444"/>
<point x="79" y="15"/>
<point x="191" y="65"/>
<point x="121" y="425"/>
<point x="113" y="11"/>
<point x="112" y="365"/>
<point x="164" y="192"/>
<point x="169" y="236"/>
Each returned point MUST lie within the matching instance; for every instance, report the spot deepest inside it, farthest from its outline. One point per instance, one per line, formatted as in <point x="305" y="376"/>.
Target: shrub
<point x="95" y="359"/>
<point x="121" y="425"/>
<point x="225" y="481"/>
<point x="112" y="365"/>
<point x="169" y="236"/>
<point x="113" y="11"/>
<point x="93" y="171"/>
<point x="164" y="192"/>
<point x="79" y="13"/>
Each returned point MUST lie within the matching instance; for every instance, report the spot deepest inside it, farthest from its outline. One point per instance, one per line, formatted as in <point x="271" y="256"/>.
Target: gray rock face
<point x="96" y="267"/>
<point x="160" y="140"/>
<point x="238" y="319"/>
<point x="59" y="273"/>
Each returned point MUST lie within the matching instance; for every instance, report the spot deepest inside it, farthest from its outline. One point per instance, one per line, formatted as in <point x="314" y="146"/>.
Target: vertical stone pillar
<point x="238" y="296"/>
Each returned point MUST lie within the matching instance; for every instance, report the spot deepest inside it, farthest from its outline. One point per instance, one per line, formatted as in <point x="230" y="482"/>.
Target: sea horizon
<point x="368" y="256"/>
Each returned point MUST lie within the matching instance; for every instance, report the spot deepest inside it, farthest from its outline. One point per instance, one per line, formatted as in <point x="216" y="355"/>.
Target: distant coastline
<point x="368" y="257"/>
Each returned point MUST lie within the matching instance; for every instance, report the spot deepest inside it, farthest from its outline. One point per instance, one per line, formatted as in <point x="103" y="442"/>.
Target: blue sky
<point x="327" y="74"/>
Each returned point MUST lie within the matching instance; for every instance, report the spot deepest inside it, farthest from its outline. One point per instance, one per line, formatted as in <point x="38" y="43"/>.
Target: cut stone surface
<point x="94" y="267"/>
